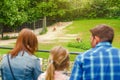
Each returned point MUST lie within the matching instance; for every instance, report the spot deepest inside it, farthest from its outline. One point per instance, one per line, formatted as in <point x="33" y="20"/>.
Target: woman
<point x="20" y="63"/>
<point x="58" y="62"/>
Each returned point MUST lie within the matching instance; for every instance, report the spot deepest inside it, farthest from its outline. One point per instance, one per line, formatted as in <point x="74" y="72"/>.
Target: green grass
<point x="46" y="55"/>
<point x="46" y="46"/>
<point x="82" y="28"/>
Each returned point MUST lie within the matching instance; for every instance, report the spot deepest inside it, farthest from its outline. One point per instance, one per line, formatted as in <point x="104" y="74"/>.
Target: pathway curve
<point x="54" y="32"/>
<point x="57" y="34"/>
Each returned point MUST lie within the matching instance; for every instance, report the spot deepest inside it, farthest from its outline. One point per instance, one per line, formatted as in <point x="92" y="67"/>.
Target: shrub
<point x="6" y="37"/>
<point x="43" y="31"/>
<point x="82" y="45"/>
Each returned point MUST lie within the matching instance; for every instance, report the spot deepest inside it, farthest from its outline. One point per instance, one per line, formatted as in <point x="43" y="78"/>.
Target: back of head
<point x="59" y="60"/>
<point x="104" y="32"/>
<point x="27" y="41"/>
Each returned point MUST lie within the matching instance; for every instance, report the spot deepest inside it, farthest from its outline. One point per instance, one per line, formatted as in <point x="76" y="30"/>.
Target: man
<point x="102" y="62"/>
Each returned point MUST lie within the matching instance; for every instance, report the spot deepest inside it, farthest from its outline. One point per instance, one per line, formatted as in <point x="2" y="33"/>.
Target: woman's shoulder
<point x="28" y="55"/>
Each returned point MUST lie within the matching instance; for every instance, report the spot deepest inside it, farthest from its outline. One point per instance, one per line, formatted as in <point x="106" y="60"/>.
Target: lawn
<point x="80" y="27"/>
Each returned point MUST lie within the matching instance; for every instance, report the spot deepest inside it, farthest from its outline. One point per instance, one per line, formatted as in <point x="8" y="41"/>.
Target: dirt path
<point x="55" y="32"/>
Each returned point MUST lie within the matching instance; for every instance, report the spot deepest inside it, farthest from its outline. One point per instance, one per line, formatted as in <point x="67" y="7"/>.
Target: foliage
<point x="63" y="8"/>
<point x="85" y="45"/>
<point x="43" y="31"/>
<point x="47" y="8"/>
<point x="16" y="12"/>
<point x="12" y="12"/>
<point x="92" y="9"/>
<point x="8" y="37"/>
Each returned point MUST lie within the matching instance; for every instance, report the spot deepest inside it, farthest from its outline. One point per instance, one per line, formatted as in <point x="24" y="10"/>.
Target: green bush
<point x="6" y="37"/>
<point x="43" y="31"/>
<point x="82" y="45"/>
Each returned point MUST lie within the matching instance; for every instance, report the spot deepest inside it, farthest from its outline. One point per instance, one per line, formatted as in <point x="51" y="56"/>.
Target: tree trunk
<point x="34" y="25"/>
<point x="1" y="31"/>
<point x="44" y="29"/>
<point x="44" y="22"/>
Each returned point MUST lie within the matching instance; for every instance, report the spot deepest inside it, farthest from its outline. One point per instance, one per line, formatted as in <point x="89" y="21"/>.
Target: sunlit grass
<point x="80" y="27"/>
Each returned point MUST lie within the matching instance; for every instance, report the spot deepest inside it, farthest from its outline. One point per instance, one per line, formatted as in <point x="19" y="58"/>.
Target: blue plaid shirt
<point x="99" y="63"/>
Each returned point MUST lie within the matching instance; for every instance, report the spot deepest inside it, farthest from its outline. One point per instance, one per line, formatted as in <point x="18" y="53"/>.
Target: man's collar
<point x="103" y="44"/>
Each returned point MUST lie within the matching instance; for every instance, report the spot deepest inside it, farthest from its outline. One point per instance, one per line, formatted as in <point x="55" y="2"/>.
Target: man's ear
<point x="97" y="39"/>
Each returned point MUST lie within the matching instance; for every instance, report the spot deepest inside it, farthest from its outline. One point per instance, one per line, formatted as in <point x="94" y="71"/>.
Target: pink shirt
<point x="58" y="76"/>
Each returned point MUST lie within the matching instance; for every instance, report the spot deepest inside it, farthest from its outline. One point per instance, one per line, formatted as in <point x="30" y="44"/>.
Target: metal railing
<point x="76" y="53"/>
<point x="44" y="61"/>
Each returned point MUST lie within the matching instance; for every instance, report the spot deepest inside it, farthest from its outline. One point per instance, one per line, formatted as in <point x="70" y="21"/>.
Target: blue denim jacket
<point x="24" y="67"/>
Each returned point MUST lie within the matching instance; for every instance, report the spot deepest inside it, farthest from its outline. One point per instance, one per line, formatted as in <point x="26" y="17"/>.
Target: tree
<point x="48" y="8"/>
<point x="114" y="8"/>
<point x="16" y="12"/>
<point x="12" y="13"/>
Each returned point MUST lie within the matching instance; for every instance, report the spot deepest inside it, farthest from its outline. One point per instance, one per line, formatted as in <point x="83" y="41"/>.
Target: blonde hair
<point x="58" y="60"/>
<point x="26" y="41"/>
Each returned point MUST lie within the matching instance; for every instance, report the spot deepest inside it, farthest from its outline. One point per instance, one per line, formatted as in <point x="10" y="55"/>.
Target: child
<point x="58" y="62"/>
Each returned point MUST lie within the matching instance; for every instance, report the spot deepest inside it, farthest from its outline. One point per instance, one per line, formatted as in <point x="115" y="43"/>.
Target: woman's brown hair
<point x="26" y="41"/>
<point x="58" y="60"/>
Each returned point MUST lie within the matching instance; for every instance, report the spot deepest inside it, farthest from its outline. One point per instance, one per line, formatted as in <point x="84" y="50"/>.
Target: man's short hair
<point x="104" y="32"/>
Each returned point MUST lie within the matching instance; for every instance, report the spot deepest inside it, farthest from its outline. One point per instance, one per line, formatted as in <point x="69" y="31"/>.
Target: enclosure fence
<point x="43" y="61"/>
